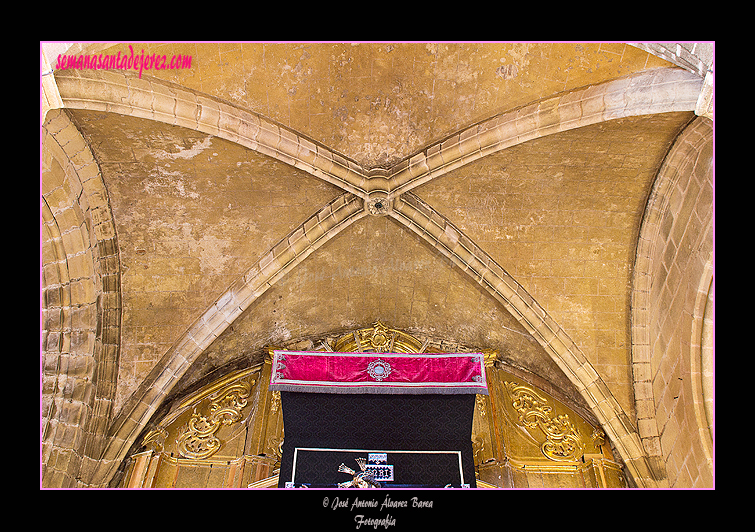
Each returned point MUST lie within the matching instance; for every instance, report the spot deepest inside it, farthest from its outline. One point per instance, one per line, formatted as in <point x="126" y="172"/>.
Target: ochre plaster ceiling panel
<point x="378" y="103"/>
<point x="377" y="270"/>
<point x="193" y="212"/>
<point x="561" y="214"/>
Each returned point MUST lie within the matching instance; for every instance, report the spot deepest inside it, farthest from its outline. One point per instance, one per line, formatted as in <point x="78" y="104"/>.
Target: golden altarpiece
<point x="229" y="434"/>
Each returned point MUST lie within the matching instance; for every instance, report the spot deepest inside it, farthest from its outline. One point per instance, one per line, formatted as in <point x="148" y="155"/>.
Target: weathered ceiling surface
<point x="379" y="103"/>
<point x="194" y="212"/>
<point x="560" y="214"/>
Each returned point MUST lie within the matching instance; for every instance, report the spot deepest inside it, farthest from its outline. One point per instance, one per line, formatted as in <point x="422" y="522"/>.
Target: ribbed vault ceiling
<point x="559" y="213"/>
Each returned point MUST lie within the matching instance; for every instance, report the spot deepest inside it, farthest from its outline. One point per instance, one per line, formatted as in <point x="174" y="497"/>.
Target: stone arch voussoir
<point x="670" y="207"/>
<point x="80" y="304"/>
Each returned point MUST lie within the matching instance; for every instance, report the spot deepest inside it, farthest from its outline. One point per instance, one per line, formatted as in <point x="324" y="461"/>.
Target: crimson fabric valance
<point x="378" y="373"/>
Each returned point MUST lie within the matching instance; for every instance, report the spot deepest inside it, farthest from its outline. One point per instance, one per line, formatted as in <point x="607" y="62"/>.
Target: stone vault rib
<point x="657" y="91"/>
<point x="153" y="99"/>
<point x="679" y="162"/>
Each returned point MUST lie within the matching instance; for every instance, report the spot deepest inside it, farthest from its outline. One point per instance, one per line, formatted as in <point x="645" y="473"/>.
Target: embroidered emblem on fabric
<point x="379" y="369"/>
<point x="279" y="367"/>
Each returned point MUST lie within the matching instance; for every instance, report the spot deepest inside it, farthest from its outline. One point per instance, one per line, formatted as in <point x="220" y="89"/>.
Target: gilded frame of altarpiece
<point x="229" y="434"/>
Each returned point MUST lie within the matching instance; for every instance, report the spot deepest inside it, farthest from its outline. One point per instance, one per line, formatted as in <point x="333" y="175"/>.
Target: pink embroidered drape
<point x="393" y="373"/>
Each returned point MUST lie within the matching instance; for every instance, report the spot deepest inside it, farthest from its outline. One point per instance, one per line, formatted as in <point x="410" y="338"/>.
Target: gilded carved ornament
<point x="480" y="405"/>
<point x="154" y="440"/>
<point x="563" y="441"/>
<point x="275" y="401"/>
<point x="378" y="339"/>
<point x="197" y="439"/>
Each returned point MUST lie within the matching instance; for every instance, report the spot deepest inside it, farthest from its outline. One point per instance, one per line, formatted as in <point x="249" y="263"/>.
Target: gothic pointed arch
<point x="81" y="309"/>
<point x="674" y="262"/>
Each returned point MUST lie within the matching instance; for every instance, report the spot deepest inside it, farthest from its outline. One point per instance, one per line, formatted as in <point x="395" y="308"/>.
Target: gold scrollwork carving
<point x="275" y="449"/>
<point x="379" y="338"/>
<point x="598" y="437"/>
<point x="490" y="356"/>
<point x="154" y="440"/>
<point x="563" y="441"/>
<point x="197" y="438"/>
<point x="480" y="404"/>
